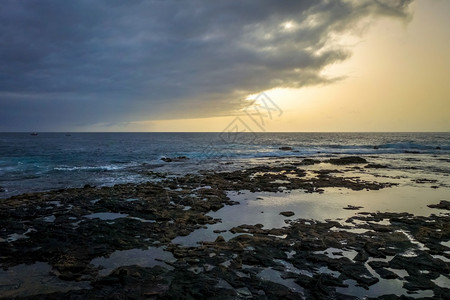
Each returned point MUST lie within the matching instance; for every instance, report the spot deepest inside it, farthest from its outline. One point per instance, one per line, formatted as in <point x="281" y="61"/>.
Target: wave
<point x="409" y="145"/>
<point x="321" y="150"/>
<point x="89" y="168"/>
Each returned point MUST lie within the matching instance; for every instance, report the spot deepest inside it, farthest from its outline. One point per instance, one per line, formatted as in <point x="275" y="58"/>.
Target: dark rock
<point x="174" y="159"/>
<point x="424" y="180"/>
<point x="411" y="152"/>
<point x="375" y="166"/>
<point x="438" y="148"/>
<point x="352" y="207"/>
<point x="416" y="283"/>
<point x="285" y="148"/>
<point x="359" y="273"/>
<point x="287" y="213"/>
<point x="220" y="239"/>
<point x="2" y="189"/>
<point x="309" y="162"/>
<point x="347" y="160"/>
<point x="378" y="264"/>
<point x="386" y="274"/>
<point x="444" y="204"/>
<point x="362" y="256"/>
<point x="376" y="147"/>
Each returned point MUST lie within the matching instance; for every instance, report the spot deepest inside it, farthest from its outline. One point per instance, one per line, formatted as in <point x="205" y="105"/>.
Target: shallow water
<point x="105" y="216"/>
<point x="144" y="258"/>
<point x="27" y="280"/>
<point x="54" y="160"/>
<point x="265" y="207"/>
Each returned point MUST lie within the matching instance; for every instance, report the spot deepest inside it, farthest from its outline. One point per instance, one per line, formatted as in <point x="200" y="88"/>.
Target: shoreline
<point x="75" y="237"/>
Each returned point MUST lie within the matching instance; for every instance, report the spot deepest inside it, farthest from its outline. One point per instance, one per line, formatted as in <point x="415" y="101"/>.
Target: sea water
<point x="58" y="160"/>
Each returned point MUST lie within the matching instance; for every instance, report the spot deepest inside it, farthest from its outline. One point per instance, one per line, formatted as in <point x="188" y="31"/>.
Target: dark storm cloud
<point x="74" y="63"/>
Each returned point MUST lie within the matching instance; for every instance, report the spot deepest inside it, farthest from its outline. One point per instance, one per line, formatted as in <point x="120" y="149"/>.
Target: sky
<point x="322" y="65"/>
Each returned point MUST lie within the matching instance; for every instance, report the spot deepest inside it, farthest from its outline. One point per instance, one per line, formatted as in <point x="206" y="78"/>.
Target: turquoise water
<point x="56" y="160"/>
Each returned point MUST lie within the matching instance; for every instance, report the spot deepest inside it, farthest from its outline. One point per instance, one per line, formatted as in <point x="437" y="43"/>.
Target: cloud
<point x="65" y="64"/>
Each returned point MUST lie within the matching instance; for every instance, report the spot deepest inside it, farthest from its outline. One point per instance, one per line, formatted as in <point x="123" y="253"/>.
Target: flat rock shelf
<point x="302" y="229"/>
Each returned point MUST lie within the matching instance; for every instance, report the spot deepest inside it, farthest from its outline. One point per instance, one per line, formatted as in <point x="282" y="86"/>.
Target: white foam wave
<point x="89" y="168"/>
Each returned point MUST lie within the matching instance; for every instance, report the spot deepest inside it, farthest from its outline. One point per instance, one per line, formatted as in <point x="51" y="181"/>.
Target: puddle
<point x="144" y="258"/>
<point x="264" y="207"/>
<point x="338" y="253"/>
<point x="205" y="235"/>
<point x="28" y="280"/>
<point x="142" y="220"/>
<point x="288" y="267"/>
<point x="326" y="270"/>
<point x="399" y="272"/>
<point x="384" y="287"/>
<point x="446" y="244"/>
<point x="49" y="219"/>
<point x="105" y="216"/>
<point x="275" y="276"/>
<point x="56" y="203"/>
<point x="16" y="236"/>
<point x="352" y="230"/>
<point x="413" y="240"/>
<point x="442" y="281"/>
<point x="279" y="181"/>
<point x="443" y="258"/>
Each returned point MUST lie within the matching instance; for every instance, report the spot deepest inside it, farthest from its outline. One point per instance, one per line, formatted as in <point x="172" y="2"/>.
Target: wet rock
<point x="378" y="264"/>
<point x="347" y="160"/>
<point x="362" y="256"/>
<point x="375" y="166"/>
<point x="352" y="207"/>
<point x="309" y="162"/>
<point x="244" y="293"/>
<point x="285" y="148"/>
<point x="2" y="189"/>
<point x="416" y="283"/>
<point x="226" y="269"/>
<point x="359" y="273"/>
<point x="287" y="213"/>
<point x="386" y="274"/>
<point x="174" y="159"/>
<point x="424" y="180"/>
<point x="423" y="261"/>
<point x="220" y="239"/>
<point x="443" y="204"/>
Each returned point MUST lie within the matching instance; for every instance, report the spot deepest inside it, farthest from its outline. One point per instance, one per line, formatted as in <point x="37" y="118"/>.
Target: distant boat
<point x="34" y="133"/>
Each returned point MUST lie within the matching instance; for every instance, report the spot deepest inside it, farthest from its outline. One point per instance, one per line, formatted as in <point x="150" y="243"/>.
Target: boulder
<point x="444" y="204"/>
<point x="287" y="213"/>
<point x="174" y="159"/>
<point x="285" y="148"/>
<point x="347" y="160"/>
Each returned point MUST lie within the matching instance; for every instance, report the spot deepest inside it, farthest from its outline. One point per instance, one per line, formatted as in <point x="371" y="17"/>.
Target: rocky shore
<point x="117" y="242"/>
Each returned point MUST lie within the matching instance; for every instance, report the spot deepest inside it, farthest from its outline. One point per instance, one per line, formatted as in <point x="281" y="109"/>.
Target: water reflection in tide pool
<point x="144" y="258"/>
<point x="28" y="280"/>
<point x="265" y="207"/>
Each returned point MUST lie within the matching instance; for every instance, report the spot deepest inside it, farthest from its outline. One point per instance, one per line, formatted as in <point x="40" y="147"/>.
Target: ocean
<point x="57" y="160"/>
